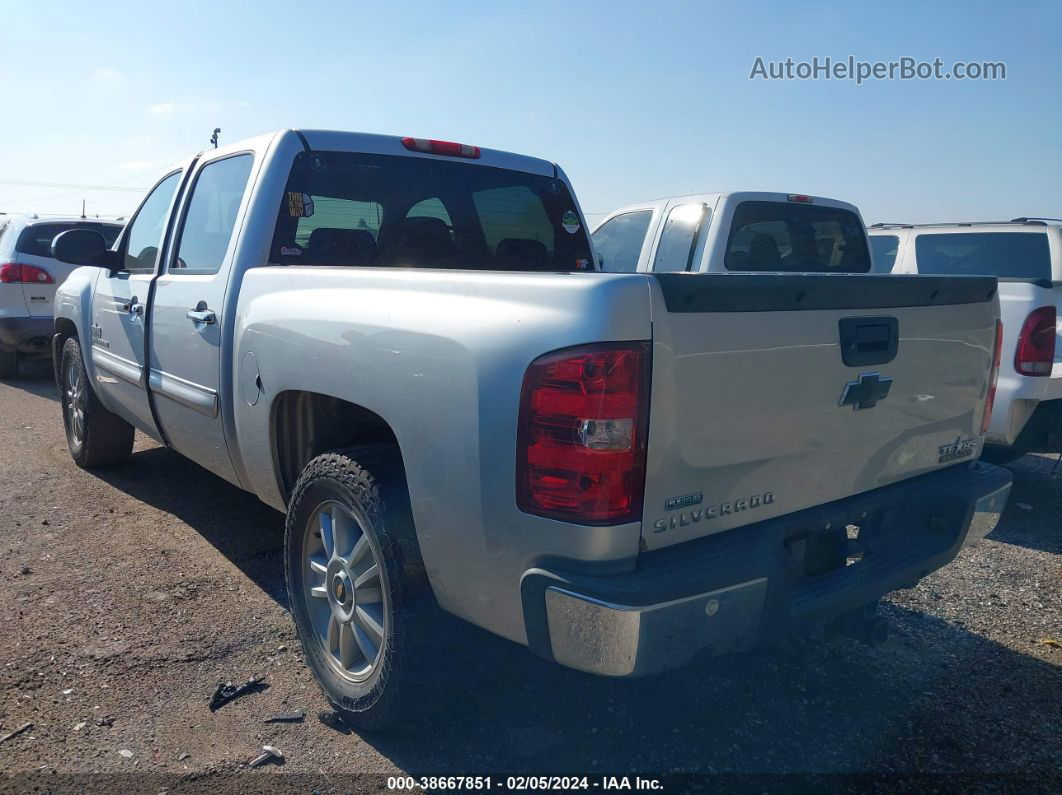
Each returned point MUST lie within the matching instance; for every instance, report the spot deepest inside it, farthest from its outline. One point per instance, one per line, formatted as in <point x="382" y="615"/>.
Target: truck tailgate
<point x="756" y="414"/>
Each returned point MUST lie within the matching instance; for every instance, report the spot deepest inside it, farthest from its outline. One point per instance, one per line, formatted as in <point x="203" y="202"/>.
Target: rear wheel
<point x="356" y="585"/>
<point x="95" y="436"/>
<point x="8" y="364"/>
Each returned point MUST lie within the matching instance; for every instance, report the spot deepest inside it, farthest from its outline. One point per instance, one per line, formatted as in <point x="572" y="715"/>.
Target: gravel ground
<point x="133" y="593"/>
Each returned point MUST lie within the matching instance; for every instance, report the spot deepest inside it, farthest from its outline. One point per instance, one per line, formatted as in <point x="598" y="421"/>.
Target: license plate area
<point x="833" y="545"/>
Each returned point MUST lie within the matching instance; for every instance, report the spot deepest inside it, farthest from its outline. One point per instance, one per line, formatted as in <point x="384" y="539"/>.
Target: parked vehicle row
<point x="407" y="345"/>
<point x="699" y="233"/>
<point x="1026" y="256"/>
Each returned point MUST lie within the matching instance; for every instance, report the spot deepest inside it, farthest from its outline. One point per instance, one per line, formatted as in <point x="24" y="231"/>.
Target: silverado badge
<point x="710" y="512"/>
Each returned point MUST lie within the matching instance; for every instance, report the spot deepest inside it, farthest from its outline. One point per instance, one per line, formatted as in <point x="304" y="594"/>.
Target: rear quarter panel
<point x="441" y="356"/>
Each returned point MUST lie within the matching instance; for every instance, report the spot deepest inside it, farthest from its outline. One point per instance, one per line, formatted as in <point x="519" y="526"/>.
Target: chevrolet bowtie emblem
<point x="866" y="392"/>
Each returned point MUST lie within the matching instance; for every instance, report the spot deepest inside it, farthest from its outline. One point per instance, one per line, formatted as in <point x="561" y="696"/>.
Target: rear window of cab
<point x="357" y="209"/>
<point x="36" y="239"/>
<point x="779" y="237"/>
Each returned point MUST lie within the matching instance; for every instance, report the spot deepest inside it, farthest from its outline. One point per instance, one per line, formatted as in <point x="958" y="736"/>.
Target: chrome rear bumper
<point x="986" y="514"/>
<point x="619" y="640"/>
<point x="683" y="601"/>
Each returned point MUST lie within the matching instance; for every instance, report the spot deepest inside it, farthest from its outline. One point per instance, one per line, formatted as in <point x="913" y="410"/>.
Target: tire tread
<point x="108" y="438"/>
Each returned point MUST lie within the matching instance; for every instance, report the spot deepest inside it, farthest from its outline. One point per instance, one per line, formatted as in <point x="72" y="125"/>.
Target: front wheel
<point x="356" y="585"/>
<point x="96" y="437"/>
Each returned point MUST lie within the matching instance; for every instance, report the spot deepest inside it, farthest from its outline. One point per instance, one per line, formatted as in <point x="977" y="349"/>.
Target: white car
<point x="28" y="278"/>
<point x="1026" y="255"/>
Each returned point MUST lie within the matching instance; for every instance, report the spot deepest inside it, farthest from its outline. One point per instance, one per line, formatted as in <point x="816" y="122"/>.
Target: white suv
<point x="28" y="278"/>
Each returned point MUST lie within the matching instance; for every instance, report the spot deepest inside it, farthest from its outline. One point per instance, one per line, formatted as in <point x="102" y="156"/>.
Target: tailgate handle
<point x="869" y="340"/>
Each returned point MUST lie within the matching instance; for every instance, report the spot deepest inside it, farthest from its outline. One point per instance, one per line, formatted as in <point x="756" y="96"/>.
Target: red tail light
<point x="1035" y="354"/>
<point x="13" y="273"/>
<point x="993" y="377"/>
<point x="583" y="423"/>
<point x="434" y="147"/>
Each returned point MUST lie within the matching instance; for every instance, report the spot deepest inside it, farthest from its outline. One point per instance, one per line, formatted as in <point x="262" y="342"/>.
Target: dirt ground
<point x="130" y="594"/>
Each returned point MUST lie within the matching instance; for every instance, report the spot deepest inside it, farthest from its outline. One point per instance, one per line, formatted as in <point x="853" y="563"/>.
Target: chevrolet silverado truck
<point x="406" y="345"/>
<point x="1026" y="256"/>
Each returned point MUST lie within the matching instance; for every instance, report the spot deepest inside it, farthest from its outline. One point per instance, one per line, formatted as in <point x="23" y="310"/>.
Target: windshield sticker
<point x="570" y="222"/>
<point x="290" y="251"/>
<point x="582" y="264"/>
<point x="300" y="205"/>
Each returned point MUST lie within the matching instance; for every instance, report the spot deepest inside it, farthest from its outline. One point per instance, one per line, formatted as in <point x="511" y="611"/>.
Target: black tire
<point x="8" y="364"/>
<point x="370" y="483"/>
<point x="105" y="439"/>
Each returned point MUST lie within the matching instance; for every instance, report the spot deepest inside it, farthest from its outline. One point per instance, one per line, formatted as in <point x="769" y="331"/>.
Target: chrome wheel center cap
<point x="340" y="591"/>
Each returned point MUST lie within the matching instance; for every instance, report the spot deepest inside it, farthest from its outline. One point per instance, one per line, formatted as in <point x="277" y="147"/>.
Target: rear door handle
<point x="201" y="316"/>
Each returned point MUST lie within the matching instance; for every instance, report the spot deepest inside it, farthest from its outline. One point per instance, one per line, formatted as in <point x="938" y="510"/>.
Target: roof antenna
<point x="82" y="208"/>
<point x="214" y="137"/>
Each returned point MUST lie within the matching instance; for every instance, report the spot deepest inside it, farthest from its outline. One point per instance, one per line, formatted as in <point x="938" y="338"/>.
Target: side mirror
<point x="84" y="247"/>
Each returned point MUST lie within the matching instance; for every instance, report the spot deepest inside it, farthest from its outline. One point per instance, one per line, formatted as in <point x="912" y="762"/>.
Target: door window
<point x="144" y="238"/>
<point x="619" y="240"/>
<point x="211" y="215"/>
<point x="679" y="239"/>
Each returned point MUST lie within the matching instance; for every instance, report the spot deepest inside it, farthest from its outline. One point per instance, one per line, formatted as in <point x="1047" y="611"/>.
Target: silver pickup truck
<point x="406" y="345"/>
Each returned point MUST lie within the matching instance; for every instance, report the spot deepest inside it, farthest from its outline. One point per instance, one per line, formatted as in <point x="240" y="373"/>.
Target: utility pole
<point x="214" y="137"/>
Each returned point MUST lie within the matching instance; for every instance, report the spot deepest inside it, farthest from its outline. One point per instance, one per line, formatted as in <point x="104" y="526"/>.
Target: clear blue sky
<point x="634" y="100"/>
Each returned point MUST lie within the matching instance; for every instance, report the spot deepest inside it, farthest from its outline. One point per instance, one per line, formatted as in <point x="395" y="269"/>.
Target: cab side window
<point x="144" y="238"/>
<point x="619" y="240"/>
<point x="678" y="241"/>
<point x="211" y="216"/>
<point x="883" y="250"/>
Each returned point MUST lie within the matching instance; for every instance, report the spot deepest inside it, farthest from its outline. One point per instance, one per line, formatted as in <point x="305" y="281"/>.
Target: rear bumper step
<point x="749" y="586"/>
